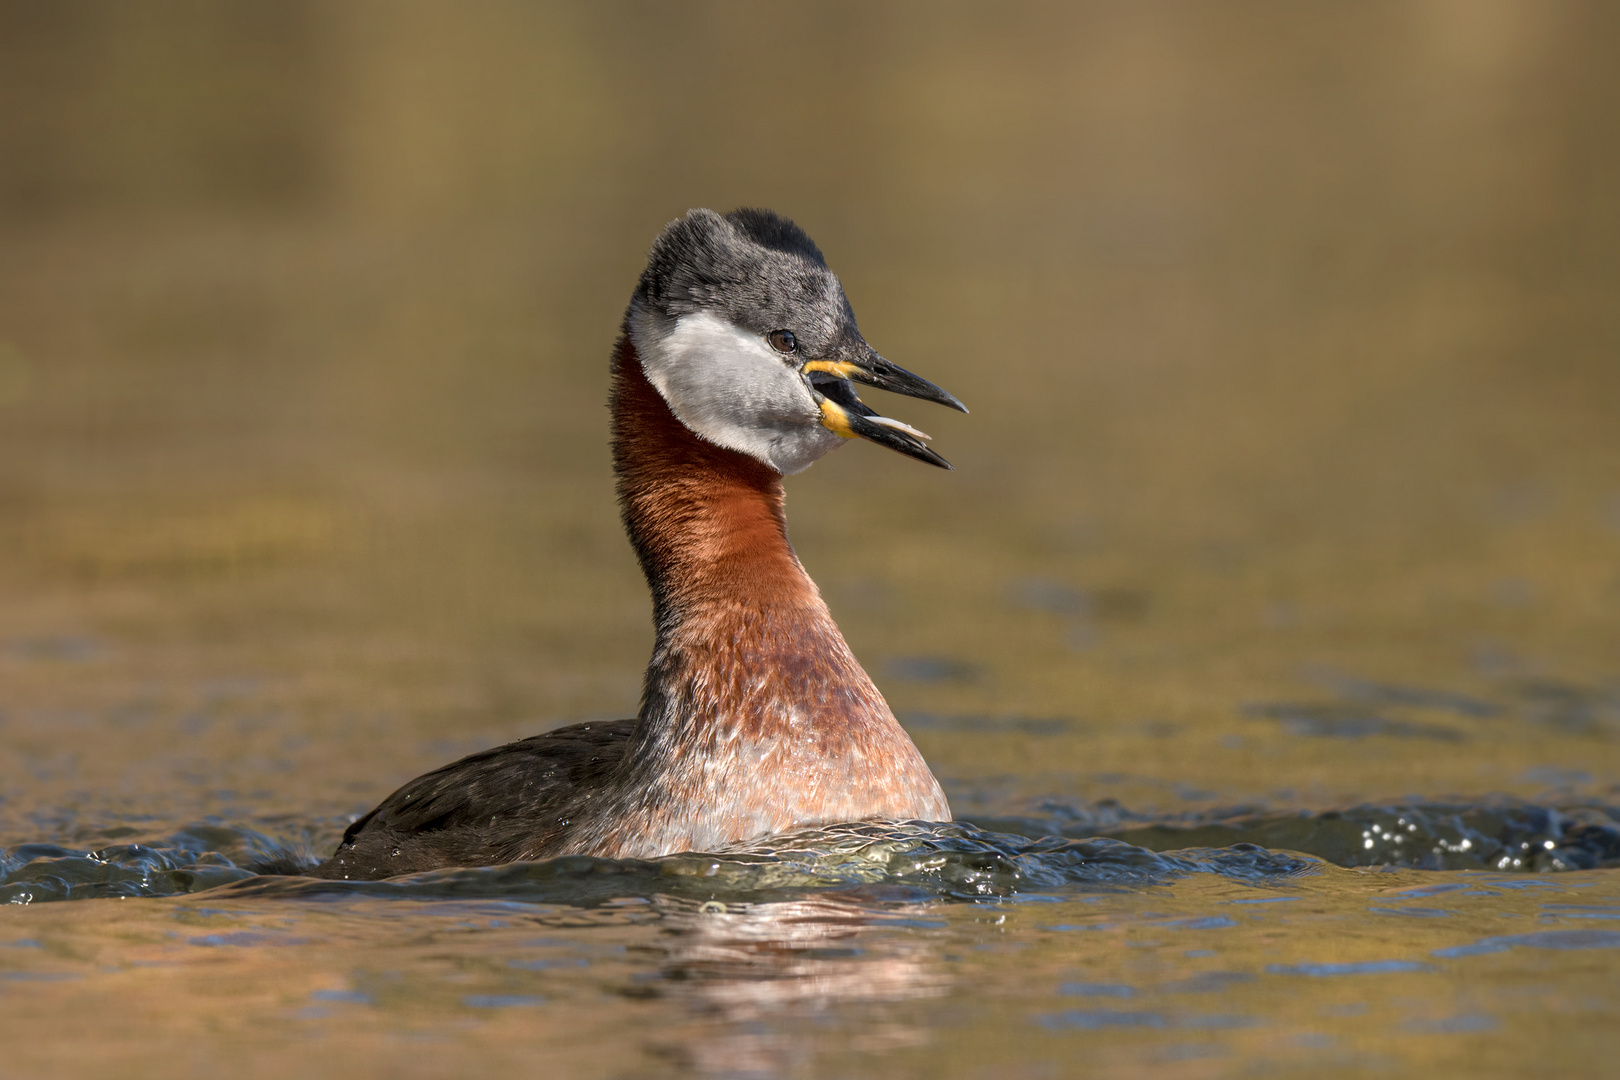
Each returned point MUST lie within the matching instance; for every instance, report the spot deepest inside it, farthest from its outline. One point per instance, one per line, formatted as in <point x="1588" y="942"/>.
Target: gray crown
<point x="756" y="270"/>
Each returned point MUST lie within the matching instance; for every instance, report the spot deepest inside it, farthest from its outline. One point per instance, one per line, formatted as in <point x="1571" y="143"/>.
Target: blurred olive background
<point x="1291" y="334"/>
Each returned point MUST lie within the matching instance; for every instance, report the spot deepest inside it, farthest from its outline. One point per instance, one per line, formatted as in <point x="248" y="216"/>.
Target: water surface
<point x="1265" y="637"/>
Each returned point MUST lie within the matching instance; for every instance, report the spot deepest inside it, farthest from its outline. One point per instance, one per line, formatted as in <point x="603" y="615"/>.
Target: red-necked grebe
<point x="735" y="367"/>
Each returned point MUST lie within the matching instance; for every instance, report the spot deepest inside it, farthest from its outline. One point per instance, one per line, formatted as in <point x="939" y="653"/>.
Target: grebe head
<point x="748" y="337"/>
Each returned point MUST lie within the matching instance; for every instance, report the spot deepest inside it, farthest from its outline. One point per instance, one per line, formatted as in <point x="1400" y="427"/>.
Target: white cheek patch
<point x="730" y="387"/>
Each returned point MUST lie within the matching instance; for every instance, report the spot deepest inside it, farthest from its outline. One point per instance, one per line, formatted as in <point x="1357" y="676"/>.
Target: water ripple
<point x="910" y="861"/>
<point x="1500" y="835"/>
<point x="1031" y="858"/>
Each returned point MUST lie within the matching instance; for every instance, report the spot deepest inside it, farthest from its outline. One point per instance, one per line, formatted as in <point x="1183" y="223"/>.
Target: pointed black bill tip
<point x="887" y="375"/>
<point x="898" y="439"/>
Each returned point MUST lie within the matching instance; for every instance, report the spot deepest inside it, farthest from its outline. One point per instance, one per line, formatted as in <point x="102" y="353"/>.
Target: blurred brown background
<point x="1292" y="335"/>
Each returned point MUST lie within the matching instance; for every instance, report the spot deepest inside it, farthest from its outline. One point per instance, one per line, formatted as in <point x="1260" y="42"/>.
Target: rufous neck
<point x="706" y="522"/>
<point x="755" y="716"/>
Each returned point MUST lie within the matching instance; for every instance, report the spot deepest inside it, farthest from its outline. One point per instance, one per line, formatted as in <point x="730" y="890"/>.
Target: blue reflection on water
<point x="1462" y="1024"/>
<point x="1079" y="989"/>
<point x="1579" y="911"/>
<point x="245" y="939"/>
<point x="502" y="1001"/>
<point x="1266" y="900"/>
<point x="350" y="997"/>
<point x="1096" y="1019"/>
<point x="1545" y="939"/>
<point x="1366" y="967"/>
<point x="1207" y="922"/>
<point x="1414" y="912"/>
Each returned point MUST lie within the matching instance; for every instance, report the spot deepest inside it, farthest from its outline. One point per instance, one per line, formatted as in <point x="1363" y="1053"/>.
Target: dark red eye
<point x="782" y="340"/>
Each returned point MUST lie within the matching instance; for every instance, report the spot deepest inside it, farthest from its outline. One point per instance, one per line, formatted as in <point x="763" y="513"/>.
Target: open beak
<point x="843" y="413"/>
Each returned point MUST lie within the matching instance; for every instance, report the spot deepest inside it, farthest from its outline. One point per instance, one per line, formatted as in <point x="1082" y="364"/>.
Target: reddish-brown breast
<point x="756" y="718"/>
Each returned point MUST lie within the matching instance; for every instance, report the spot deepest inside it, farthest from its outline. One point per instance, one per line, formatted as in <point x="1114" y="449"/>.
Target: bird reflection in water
<point x="759" y="975"/>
